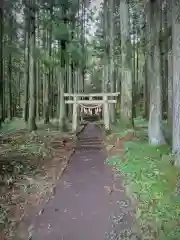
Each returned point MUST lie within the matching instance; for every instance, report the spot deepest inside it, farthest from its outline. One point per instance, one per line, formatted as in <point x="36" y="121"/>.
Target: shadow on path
<point x="85" y="206"/>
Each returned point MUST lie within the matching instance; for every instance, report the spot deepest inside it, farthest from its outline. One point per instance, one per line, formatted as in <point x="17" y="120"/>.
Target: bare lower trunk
<point x="155" y="132"/>
<point x="32" y="106"/>
<point x="1" y="63"/>
<point x="46" y="99"/>
<point x="176" y="81"/>
<point x="26" y="72"/>
<point x="111" y="56"/>
<point x="61" y="101"/>
<point x="32" y="80"/>
<point x="170" y="68"/>
<point x="170" y="90"/>
<point x="126" y="79"/>
<point x="155" y="117"/>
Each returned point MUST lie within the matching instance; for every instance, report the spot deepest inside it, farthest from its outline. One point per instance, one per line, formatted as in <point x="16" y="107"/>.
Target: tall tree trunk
<point x="62" y="80"/>
<point x="134" y="71"/>
<point x="1" y="64"/>
<point x="32" y="71"/>
<point x="126" y="79"/>
<point x="165" y="61"/>
<point x="170" y="68"/>
<point x="9" y="86"/>
<point x="38" y="75"/>
<point x="48" y="80"/>
<point x="10" y="70"/>
<point x="60" y="77"/>
<point x="26" y="69"/>
<point x="111" y="56"/>
<point x="176" y="80"/>
<point x="106" y="51"/>
<point x="148" y="63"/>
<point x="155" y="117"/>
<point x="138" y="88"/>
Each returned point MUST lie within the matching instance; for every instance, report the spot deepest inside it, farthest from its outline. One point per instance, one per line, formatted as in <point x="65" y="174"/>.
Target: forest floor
<point x="150" y="180"/>
<point x="90" y="202"/>
<point x="30" y="166"/>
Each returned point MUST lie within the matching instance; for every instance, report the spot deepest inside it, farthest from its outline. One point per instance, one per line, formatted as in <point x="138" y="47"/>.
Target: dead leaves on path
<point x="29" y="169"/>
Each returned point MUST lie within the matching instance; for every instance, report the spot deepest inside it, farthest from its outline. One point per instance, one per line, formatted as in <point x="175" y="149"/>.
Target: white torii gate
<point x="104" y="102"/>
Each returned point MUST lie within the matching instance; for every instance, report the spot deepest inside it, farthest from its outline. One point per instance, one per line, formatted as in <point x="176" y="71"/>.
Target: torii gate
<point x="104" y="102"/>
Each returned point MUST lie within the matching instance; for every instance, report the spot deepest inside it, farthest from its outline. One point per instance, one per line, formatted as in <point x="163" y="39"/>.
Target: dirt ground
<point x="90" y="200"/>
<point x="30" y="166"/>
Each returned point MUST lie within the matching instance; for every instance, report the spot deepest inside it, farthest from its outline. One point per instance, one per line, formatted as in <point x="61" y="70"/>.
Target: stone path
<point x="86" y="206"/>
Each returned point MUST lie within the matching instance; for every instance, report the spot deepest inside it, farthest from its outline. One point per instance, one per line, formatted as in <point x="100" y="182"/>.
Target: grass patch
<point x="17" y="124"/>
<point x="152" y="180"/>
<point x="121" y="130"/>
<point x="12" y="126"/>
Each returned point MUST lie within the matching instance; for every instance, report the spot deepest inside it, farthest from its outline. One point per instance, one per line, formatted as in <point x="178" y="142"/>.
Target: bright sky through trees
<point x="95" y="4"/>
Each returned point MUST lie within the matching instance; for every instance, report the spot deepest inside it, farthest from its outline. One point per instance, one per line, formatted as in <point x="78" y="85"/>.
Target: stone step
<point x="91" y="141"/>
<point x="89" y="137"/>
<point x="89" y="146"/>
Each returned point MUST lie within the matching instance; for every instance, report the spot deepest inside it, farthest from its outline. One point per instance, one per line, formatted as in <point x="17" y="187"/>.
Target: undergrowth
<point x="29" y="168"/>
<point x="153" y="181"/>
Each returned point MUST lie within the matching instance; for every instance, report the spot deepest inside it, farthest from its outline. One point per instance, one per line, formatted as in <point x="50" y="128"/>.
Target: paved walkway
<point x="85" y="206"/>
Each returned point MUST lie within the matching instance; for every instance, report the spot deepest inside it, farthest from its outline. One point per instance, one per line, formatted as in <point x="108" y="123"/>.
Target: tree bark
<point x="111" y="57"/>
<point x="176" y="80"/>
<point x="32" y="70"/>
<point x="1" y="64"/>
<point x="126" y="79"/>
<point x="10" y="114"/>
<point x="155" y="132"/>
<point x="26" y="69"/>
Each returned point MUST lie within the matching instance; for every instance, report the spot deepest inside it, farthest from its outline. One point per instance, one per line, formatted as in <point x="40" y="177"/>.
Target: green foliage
<point x="61" y="31"/>
<point x="152" y="180"/>
<point x="75" y="49"/>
